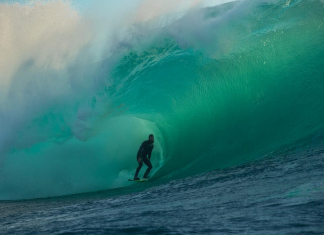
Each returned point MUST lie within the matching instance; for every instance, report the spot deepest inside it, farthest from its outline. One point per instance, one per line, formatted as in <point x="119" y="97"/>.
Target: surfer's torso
<point x="145" y="149"/>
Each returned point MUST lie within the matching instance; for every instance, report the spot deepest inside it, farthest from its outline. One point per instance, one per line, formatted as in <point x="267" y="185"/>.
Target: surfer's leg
<point x="149" y="165"/>
<point x="138" y="168"/>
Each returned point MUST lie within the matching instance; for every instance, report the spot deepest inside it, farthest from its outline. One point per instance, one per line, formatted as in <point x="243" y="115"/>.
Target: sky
<point x="81" y="4"/>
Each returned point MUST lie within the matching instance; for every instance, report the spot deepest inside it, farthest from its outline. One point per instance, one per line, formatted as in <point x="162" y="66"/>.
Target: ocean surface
<point x="233" y="92"/>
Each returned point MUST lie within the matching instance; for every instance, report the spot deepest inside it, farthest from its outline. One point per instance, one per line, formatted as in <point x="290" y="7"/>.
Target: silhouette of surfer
<point x="144" y="155"/>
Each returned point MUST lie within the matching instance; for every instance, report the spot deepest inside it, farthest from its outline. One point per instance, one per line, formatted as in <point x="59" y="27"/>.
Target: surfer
<point x="144" y="155"/>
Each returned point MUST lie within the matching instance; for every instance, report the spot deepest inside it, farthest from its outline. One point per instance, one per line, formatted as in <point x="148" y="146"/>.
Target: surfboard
<point x="141" y="180"/>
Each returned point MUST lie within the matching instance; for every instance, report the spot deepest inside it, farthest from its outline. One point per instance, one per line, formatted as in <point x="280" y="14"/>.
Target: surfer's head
<point x="151" y="138"/>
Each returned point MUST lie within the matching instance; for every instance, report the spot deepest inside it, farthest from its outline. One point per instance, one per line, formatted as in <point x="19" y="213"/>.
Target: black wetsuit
<point x="144" y="151"/>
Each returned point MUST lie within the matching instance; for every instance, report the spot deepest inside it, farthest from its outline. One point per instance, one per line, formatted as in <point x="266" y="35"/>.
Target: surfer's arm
<point x="140" y="150"/>
<point x="149" y="155"/>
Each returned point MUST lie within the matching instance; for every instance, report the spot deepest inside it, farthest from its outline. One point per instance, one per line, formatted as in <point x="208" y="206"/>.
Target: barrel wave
<point x="218" y="85"/>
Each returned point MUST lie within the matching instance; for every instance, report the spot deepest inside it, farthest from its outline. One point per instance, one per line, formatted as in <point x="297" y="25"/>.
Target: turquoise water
<point x="218" y="86"/>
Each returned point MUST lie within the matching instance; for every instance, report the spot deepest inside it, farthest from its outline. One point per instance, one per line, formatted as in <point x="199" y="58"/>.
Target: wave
<point x="219" y="86"/>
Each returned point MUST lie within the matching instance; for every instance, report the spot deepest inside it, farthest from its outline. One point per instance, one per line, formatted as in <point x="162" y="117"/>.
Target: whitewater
<point x="232" y="91"/>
